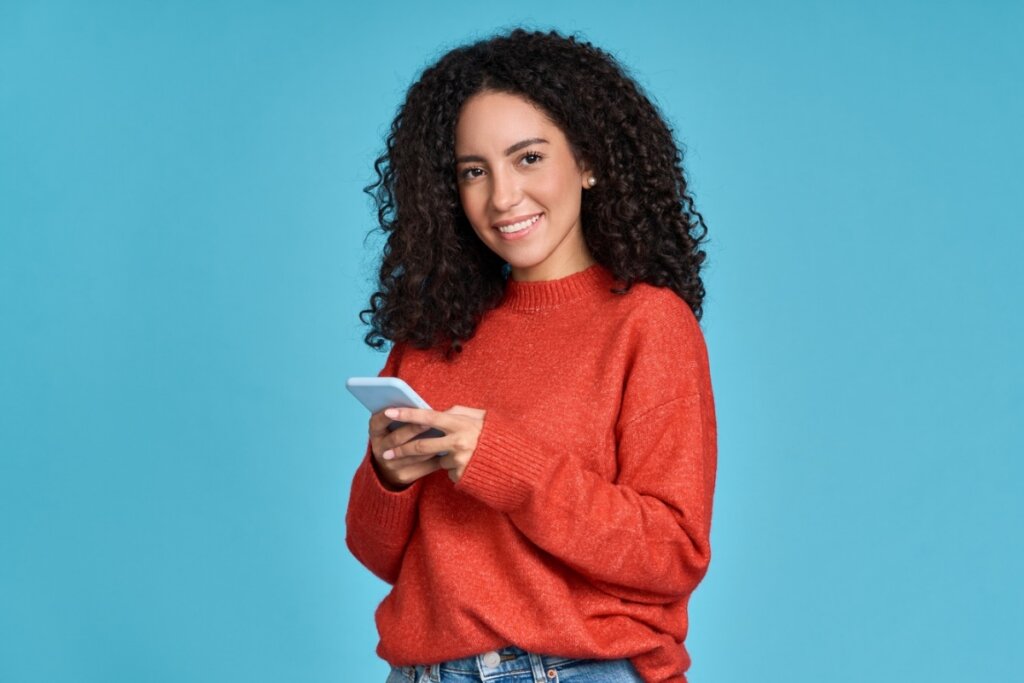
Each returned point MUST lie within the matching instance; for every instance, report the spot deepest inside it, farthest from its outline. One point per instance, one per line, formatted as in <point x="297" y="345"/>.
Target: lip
<point x="526" y="232"/>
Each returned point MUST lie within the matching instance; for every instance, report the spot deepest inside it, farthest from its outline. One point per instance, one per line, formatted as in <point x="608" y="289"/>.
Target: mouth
<point x="518" y="226"/>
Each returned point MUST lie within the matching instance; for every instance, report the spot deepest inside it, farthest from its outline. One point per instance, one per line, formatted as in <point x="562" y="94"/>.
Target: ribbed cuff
<point x="386" y="510"/>
<point x="506" y="467"/>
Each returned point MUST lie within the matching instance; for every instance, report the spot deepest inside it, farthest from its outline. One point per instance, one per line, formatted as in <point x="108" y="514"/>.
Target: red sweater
<point x="580" y="526"/>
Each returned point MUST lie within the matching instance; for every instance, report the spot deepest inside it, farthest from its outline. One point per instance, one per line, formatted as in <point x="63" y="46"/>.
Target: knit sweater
<point x="580" y="526"/>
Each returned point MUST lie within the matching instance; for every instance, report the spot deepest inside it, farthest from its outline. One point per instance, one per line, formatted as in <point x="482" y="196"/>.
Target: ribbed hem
<point x="505" y="467"/>
<point x="532" y="296"/>
<point x="385" y="510"/>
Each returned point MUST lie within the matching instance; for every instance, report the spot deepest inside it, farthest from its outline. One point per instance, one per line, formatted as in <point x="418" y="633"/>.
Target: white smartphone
<point x="378" y="393"/>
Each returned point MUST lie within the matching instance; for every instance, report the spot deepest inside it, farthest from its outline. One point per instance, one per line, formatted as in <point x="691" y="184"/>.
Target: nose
<point x="505" y="191"/>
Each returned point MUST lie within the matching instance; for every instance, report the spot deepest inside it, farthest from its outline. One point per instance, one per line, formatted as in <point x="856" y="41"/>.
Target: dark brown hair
<point x="436" y="277"/>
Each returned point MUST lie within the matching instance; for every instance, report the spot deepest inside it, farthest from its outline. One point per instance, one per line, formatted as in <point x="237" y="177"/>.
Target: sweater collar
<point x="532" y="296"/>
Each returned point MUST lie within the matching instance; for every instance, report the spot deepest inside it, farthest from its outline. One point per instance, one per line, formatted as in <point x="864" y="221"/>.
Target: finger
<point x="379" y="423"/>
<point x="449" y="464"/>
<point x="400" y="436"/>
<point x="419" y="447"/>
<point x="408" y="475"/>
<point x="469" y="412"/>
<point x="385" y="426"/>
<point x="443" y="421"/>
<point x="394" y="464"/>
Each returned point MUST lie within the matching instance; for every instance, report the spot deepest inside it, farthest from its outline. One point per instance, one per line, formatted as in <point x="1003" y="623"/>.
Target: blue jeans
<point x="513" y="665"/>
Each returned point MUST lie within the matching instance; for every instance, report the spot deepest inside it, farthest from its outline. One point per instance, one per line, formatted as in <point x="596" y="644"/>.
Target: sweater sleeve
<point x="379" y="522"/>
<point x="644" y="536"/>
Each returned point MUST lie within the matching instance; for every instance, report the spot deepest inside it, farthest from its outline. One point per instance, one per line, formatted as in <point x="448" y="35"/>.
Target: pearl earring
<point x="592" y="181"/>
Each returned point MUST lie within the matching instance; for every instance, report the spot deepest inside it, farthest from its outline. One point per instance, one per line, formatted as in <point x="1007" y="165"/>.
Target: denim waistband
<point x="508" y="661"/>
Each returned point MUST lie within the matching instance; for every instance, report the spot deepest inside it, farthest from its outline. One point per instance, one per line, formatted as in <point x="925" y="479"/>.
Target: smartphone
<point x="378" y="393"/>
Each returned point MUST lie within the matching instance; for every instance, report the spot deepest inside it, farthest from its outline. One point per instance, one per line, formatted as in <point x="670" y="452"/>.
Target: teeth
<point x="521" y="225"/>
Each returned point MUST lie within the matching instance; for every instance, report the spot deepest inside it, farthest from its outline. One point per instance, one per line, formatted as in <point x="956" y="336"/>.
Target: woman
<point x="540" y="284"/>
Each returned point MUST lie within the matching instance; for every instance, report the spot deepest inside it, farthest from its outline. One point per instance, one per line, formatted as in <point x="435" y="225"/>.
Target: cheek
<point x="470" y="204"/>
<point x="563" y="190"/>
<point x="564" y="202"/>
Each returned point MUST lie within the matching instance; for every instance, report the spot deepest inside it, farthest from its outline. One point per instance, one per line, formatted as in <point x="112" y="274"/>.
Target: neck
<point x="552" y="271"/>
<point x="570" y="256"/>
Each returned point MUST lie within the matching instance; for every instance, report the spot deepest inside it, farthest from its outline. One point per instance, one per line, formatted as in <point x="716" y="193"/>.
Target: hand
<point x="397" y="473"/>
<point x="461" y="427"/>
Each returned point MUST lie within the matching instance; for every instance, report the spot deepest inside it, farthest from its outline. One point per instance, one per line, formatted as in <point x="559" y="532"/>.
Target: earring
<point x="592" y="181"/>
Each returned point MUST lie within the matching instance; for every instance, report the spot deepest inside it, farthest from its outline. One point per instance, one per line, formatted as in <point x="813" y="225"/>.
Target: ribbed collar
<point x="533" y="296"/>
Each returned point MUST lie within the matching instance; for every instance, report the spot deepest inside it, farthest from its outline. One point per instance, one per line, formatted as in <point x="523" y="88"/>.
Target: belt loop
<point x="435" y="672"/>
<point x="537" y="666"/>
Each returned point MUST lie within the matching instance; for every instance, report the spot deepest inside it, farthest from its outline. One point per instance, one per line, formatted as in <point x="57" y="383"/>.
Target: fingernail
<point x="391" y="412"/>
<point x="388" y="455"/>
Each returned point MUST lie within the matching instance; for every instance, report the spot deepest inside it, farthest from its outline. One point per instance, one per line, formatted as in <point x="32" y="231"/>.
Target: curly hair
<point x="437" y="278"/>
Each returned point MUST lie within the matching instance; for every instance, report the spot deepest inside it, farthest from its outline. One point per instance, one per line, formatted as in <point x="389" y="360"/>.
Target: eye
<point x="531" y="158"/>
<point x="470" y="173"/>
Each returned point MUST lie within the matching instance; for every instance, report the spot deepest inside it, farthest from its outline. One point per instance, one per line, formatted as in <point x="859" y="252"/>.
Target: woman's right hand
<point x="398" y="473"/>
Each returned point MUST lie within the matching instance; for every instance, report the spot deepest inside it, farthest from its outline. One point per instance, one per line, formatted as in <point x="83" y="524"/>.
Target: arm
<point x="645" y="536"/>
<point x="380" y="521"/>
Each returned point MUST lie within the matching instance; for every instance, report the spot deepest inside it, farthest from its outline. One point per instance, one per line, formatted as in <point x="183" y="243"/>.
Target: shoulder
<point x="659" y="300"/>
<point x="404" y="357"/>
<point x="397" y="357"/>
<point x="658" y="317"/>
<point x="391" y="362"/>
<point x="665" y="353"/>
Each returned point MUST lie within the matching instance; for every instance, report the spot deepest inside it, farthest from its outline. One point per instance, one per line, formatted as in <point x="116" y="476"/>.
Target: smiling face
<point x="520" y="186"/>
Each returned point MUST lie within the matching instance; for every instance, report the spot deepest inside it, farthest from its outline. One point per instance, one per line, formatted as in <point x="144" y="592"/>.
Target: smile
<point x="521" y="225"/>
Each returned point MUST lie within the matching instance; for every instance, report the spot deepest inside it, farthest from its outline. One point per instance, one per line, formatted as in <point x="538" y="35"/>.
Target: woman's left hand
<point x="461" y="427"/>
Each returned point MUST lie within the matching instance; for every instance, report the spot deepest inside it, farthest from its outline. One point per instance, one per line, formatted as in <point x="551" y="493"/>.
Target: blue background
<point x="182" y="261"/>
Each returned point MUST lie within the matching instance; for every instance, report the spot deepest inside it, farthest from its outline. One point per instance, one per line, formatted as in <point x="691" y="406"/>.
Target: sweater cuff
<point x="387" y="511"/>
<point x="506" y="468"/>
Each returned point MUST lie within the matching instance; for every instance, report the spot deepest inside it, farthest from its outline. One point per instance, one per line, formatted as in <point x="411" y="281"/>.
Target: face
<point x="520" y="186"/>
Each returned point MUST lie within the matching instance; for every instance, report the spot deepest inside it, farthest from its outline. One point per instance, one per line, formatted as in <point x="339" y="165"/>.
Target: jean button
<point x="491" y="659"/>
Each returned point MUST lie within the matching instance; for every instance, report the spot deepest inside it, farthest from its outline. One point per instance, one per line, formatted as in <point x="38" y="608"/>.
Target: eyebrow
<point x="511" y="150"/>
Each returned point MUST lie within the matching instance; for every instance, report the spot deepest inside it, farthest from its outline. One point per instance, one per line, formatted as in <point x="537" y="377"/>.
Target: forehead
<point x="494" y="120"/>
